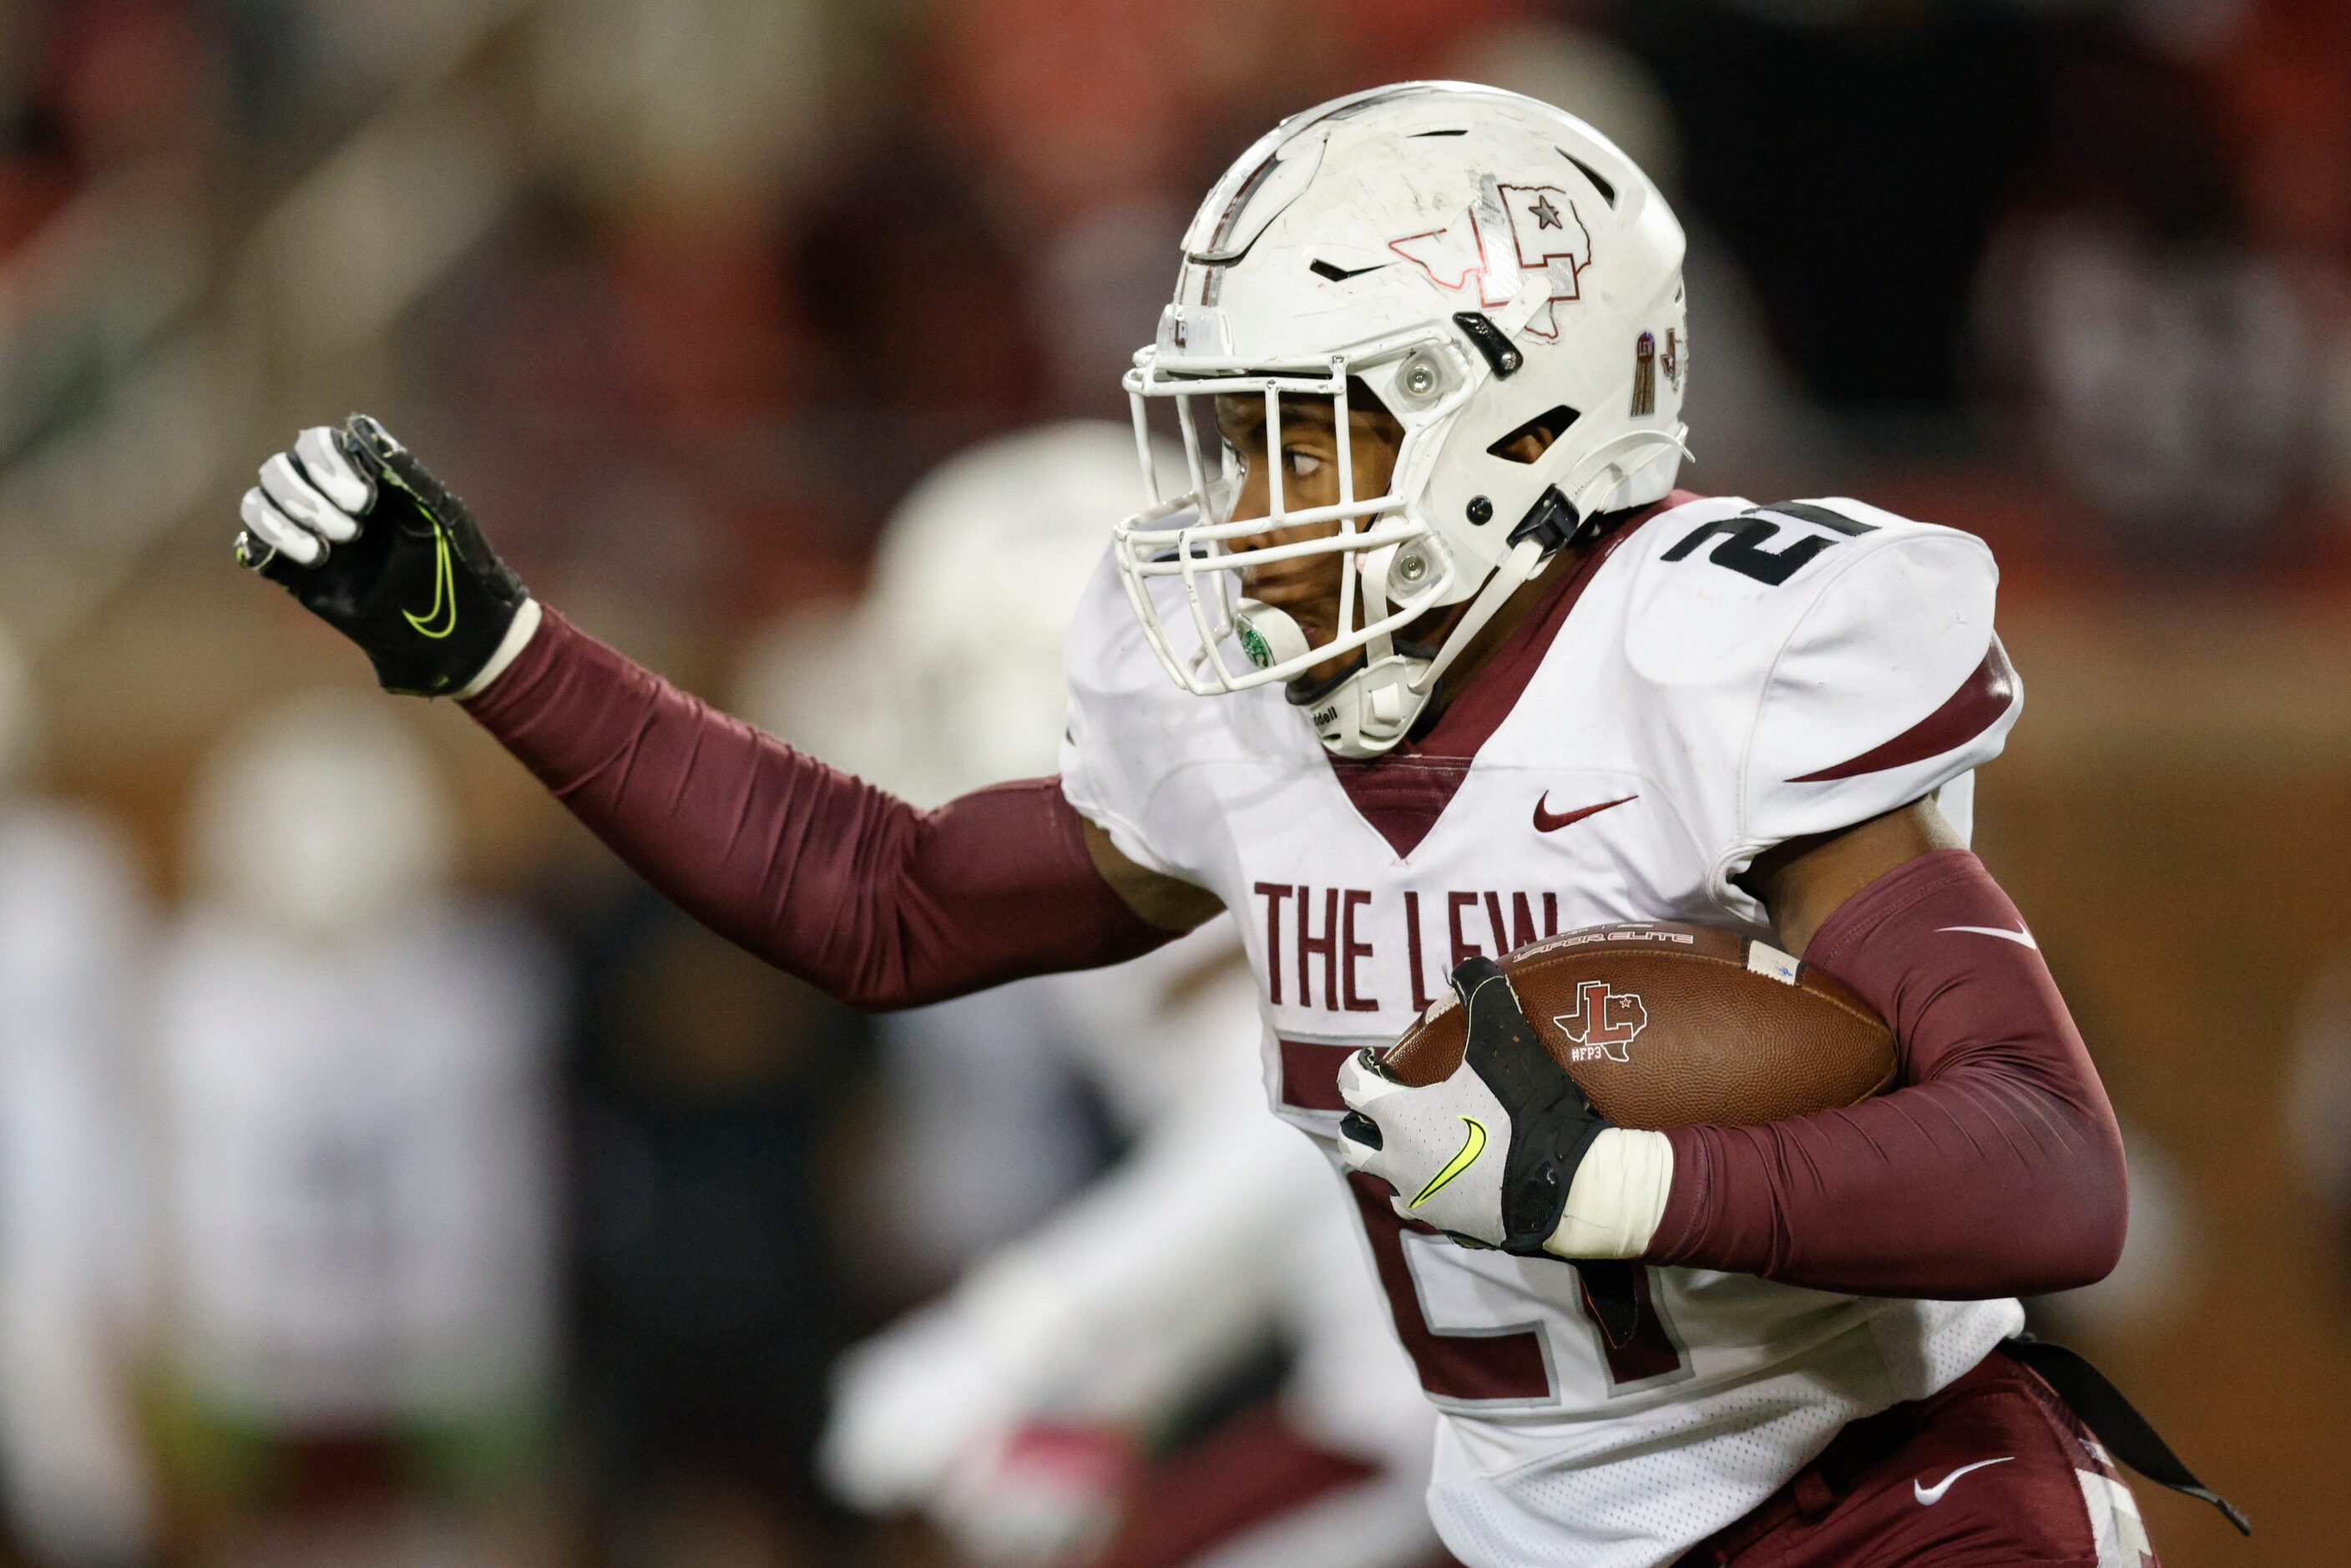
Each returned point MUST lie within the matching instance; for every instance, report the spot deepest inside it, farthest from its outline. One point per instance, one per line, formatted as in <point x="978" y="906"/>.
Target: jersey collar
<point x="1402" y="794"/>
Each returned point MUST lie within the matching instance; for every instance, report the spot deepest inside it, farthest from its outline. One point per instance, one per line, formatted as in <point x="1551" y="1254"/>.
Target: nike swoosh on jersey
<point x="1471" y="1147"/>
<point x="1549" y="821"/>
<point x="1930" y="1496"/>
<point x="2021" y="938"/>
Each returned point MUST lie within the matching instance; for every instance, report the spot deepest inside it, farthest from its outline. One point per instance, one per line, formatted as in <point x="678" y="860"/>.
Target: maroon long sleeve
<point x="850" y="888"/>
<point x="1994" y="1169"/>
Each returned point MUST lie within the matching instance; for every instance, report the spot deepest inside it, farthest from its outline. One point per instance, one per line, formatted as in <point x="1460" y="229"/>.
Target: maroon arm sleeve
<point x="850" y="888"/>
<point x="1994" y="1169"/>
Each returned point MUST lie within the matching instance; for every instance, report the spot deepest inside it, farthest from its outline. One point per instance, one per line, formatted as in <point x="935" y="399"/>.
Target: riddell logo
<point x="1603" y="1023"/>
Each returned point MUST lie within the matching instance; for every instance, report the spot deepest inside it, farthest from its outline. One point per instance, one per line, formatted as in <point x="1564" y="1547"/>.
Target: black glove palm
<point x="1552" y="1121"/>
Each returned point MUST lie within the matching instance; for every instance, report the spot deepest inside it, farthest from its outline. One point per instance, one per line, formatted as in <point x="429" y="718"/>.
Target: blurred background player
<point x="1083" y="1393"/>
<point x="74" y="954"/>
<point x="356" y="1153"/>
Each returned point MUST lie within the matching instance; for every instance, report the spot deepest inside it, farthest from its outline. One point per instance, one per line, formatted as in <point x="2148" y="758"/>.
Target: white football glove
<point x="1488" y="1155"/>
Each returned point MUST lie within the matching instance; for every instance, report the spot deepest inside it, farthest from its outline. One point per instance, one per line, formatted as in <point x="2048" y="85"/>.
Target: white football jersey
<point x="73" y="964"/>
<point x="358" y="1170"/>
<point x="1726" y="677"/>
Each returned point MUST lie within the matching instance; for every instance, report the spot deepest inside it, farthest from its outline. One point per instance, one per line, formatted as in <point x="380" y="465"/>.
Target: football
<point x="1664" y="1025"/>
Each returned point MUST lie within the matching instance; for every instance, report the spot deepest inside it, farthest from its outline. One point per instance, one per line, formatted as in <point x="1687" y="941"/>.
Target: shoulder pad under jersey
<point x="1811" y="664"/>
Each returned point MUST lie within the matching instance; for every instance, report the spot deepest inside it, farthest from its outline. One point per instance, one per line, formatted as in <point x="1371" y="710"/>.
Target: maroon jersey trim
<point x="1503" y="1363"/>
<point x="1975" y="707"/>
<point x="1310" y="1075"/>
<point x="1402" y="795"/>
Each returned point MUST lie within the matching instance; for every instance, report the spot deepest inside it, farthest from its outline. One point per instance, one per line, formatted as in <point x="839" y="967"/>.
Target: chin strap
<point x="1372" y="605"/>
<point x="1534" y="547"/>
<point x="1526" y="559"/>
<point x="1355" y="720"/>
<point x="1367" y="713"/>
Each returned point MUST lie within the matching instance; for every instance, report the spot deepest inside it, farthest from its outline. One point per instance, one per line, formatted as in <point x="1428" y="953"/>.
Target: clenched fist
<point x="362" y="534"/>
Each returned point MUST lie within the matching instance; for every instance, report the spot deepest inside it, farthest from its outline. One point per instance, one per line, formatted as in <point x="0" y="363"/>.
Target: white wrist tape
<point x="519" y="632"/>
<point x="1618" y="1196"/>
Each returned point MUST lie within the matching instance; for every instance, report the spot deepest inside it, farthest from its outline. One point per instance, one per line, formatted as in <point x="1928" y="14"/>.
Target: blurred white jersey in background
<point x="1221" y="1232"/>
<point x="354" y="1088"/>
<point x="73" y="960"/>
<point x="74" y="930"/>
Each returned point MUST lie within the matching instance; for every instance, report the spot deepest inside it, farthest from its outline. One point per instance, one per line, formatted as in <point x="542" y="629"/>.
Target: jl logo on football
<point x="1603" y="1023"/>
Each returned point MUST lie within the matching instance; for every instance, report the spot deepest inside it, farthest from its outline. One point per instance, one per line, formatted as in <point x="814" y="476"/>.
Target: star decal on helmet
<point x="1502" y="238"/>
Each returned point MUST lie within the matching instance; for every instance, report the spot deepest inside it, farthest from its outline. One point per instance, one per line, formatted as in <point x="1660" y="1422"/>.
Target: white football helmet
<point x="1482" y="263"/>
<point x="947" y="677"/>
<point x="324" y="816"/>
<point x="977" y="575"/>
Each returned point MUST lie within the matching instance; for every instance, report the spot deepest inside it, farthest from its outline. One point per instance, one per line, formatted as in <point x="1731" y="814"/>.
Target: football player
<point x="1421" y="658"/>
<point x="354" y="1209"/>
<point x="76" y="1488"/>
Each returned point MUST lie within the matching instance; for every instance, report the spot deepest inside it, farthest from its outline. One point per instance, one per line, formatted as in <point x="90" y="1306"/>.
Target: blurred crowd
<point x="413" y="1186"/>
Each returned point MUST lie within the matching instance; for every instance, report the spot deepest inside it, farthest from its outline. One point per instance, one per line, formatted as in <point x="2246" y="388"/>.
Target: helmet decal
<point x="1512" y="230"/>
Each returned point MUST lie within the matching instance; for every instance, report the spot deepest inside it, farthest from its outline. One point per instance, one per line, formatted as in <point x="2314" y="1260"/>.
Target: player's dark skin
<point x="1800" y="883"/>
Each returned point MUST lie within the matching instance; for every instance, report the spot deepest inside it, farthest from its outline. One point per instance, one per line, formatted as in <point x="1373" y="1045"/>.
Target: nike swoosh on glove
<point x="362" y="533"/>
<point x="1488" y="1153"/>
